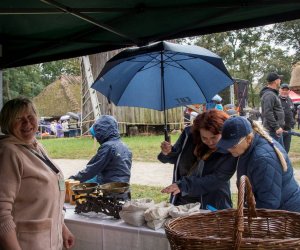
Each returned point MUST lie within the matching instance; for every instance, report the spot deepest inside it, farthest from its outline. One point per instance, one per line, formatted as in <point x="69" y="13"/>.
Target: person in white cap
<point x="218" y="102"/>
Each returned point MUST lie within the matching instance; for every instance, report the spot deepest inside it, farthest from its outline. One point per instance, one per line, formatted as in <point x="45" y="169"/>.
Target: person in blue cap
<point x="112" y="162"/>
<point x="264" y="161"/>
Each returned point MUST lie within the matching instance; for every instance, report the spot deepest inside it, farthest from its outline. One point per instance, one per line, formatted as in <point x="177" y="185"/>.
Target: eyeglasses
<point x="235" y="146"/>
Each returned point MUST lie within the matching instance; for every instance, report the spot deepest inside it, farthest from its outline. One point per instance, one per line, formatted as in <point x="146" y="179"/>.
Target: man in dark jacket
<point x="288" y="108"/>
<point x="112" y="163"/>
<point x="272" y="112"/>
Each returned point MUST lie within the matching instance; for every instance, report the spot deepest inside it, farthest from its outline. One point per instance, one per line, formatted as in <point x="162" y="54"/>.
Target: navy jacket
<point x="208" y="183"/>
<point x="272" y="188"/>
<point x="112" y="163"/>
<point x="212" y="186"/>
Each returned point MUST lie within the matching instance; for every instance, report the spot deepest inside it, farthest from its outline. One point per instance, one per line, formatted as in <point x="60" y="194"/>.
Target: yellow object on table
<point x="69" y="193"/>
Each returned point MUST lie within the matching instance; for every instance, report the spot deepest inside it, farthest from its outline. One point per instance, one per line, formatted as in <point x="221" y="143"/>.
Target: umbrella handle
<point x="167" y="137"/>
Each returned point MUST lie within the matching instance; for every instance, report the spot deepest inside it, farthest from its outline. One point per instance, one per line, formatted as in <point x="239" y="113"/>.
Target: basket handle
<point x="244" y="184"/>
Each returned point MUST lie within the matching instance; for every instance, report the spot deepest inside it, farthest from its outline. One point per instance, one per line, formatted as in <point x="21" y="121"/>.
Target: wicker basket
<point x="236" y="228"/>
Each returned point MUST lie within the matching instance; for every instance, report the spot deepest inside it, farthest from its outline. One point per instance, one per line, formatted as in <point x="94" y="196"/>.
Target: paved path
<point x="143" y="173"/>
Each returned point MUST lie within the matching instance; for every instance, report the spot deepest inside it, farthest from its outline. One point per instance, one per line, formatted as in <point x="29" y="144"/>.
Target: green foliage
<point x="25" y="81"/>
<point x="30" y="80"/>
<point x="288" y="34"/>
<point x="251" y="53"/>
<point x="51" y="70"/>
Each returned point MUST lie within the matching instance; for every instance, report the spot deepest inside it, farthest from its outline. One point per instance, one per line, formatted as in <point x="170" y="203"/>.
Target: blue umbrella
<point x="162" y="75"/>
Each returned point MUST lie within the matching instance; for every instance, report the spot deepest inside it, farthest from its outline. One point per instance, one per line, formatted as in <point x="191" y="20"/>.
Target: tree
<point x="52" y="70"/>
<point x="25" y="81"/>
<point x="248" y="54"/>
<point x="30" y="80"/>
<point x="287" y="34"/>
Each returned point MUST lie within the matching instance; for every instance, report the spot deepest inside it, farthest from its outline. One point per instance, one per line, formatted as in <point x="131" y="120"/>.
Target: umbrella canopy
<point x="162" y="75"/>
<point x="65" y="117"/>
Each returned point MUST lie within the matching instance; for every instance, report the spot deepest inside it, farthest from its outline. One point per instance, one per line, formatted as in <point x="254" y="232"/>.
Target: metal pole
<point x="232" y="94"/>
<point x="167" y="138"/>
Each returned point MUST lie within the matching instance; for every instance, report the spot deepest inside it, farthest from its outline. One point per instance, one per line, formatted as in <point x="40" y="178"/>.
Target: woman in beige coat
<point x="31" y="185"/>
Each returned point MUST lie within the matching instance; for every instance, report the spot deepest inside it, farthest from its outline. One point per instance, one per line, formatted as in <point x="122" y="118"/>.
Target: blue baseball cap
<point x="92" y="131"/>
<point x="233" y="130"/>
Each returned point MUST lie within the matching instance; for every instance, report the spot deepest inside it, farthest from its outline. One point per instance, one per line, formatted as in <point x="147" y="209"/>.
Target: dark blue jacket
<point x="183" y="158"/>
<point x="212" y="186"/>
<point x="272" y="188"/>
<point x="208" y="184"/>
<point x="112" y="163"/>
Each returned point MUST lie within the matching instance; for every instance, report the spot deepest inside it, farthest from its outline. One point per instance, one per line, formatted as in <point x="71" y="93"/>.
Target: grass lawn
<point x="144" y="148"/>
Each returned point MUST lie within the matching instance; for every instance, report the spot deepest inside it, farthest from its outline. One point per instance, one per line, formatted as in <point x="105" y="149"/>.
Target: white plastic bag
<point x="177" y="211"/>
<point x="133" y="211"/>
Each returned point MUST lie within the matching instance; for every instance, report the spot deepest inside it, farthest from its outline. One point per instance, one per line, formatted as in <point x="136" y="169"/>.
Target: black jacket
<point x="288" y="108"/>
<point x="183" y="158"/>
<point x="272" y="112"/>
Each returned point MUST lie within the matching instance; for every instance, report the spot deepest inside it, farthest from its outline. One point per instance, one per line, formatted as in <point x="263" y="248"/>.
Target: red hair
<point x="211" y="120"/>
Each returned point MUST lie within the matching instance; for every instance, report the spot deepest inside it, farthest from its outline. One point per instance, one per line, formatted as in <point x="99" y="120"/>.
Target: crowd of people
<point x="206" y="155"/>
<point x="259" y="152"/>
<point x="59" y="128"/>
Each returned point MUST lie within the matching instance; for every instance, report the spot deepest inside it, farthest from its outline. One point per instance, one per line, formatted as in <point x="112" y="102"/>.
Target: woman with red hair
<point x="212" y="169"/>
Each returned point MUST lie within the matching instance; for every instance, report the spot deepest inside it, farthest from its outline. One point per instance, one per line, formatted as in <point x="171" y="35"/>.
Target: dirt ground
<point x="143" y="173"/>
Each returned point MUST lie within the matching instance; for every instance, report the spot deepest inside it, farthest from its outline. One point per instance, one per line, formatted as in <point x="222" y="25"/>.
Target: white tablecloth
<point x="100" y="232"/>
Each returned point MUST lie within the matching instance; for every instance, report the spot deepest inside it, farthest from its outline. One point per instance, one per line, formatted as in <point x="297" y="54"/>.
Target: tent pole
<point x="1" y="82"/>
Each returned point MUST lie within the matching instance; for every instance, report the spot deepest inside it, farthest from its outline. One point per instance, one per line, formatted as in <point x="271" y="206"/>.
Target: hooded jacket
<point x="272" y="112"/>
<point x="113" y="160"/>
<point x="272" y="187"/>
<point x="31" y="201"/>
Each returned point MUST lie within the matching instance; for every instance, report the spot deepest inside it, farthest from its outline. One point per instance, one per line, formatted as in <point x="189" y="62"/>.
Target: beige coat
<point x="30" y="198"/>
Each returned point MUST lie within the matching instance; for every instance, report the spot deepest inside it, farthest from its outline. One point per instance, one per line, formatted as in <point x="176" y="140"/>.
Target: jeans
<point x="287" y="141"/>
<point x="277" y="138"/>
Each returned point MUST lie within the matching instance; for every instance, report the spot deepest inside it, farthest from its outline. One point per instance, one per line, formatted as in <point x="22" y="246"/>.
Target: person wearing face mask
<point x="264" y="161"/>
<point x="206" y="178"/>
<point x="288" y="108"/>
<point x="32" y="188"/>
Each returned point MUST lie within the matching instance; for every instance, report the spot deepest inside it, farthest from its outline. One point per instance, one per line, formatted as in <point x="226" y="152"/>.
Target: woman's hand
<point x="166" y="147"/>
<point x="68" y="237"/>
<point x="172" y="189"/>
